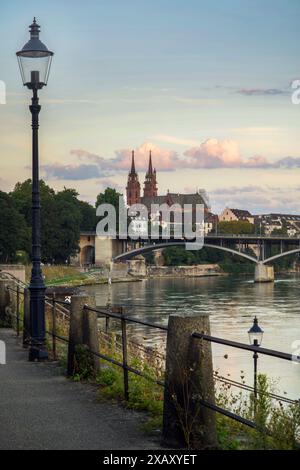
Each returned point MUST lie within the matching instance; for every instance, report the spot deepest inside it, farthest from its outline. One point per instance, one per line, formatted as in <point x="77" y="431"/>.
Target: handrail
<point x="248" y="347"/>
<point x="124" y="317"/>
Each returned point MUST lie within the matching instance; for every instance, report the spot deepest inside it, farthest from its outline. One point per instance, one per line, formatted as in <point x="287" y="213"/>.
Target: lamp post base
<point x="37" y="354"/>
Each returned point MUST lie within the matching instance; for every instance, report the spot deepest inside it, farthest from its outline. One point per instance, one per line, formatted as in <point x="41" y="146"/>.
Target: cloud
<point x="261" y="91"/>
<point x="165" y="160"/>
<point x="214" y="154"/>
<point x="175" y="140"/>
<point x="257" y="199"/>
<point x="287" y="162"/>
<point x="211" y="154"/>
<point x="57" y="171"/>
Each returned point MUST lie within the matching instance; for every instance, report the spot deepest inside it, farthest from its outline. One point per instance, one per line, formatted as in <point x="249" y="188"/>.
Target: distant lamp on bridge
<point x="34" y="62"/>
<point x="255" y="337"/>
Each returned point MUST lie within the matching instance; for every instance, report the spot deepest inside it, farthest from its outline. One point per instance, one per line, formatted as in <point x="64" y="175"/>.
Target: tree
<point x="236" y="227"/>
<point x="69" y="220"/>
<point x="110" y="196"/>
<point x="61" y="218"/>
<point x="88" y="216"/>
<point x="14" y="233"/>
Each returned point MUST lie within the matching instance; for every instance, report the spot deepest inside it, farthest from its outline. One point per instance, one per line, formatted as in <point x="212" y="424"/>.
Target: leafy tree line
<point x="63" y="217"/>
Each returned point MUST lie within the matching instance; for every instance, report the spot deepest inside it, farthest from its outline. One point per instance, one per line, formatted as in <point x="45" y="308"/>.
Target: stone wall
<point x="198" y="270"/>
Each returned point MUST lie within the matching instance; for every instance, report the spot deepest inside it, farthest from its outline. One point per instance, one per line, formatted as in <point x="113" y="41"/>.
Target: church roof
<point x="174" y="198"/>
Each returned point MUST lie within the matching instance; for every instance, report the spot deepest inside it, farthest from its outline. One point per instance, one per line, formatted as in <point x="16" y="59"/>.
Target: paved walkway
<point x="41" y="409"/>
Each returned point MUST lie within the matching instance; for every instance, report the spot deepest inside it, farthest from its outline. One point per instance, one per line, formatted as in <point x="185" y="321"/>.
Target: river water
<point x="232" y="302"/>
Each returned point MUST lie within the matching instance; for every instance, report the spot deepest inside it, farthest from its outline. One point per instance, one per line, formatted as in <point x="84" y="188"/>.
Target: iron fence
<point x="123" y="363"/>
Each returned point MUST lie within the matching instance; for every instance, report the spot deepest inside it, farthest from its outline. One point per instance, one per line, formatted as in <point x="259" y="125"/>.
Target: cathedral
<point x="133" y="188"/>
<point x="150" y="196"/>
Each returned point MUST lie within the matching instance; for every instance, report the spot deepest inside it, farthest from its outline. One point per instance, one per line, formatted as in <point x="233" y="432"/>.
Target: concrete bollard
<point x="2" y="300"/>
<point x="26" y="319"/>
<point x="83" y="330"/>
<point x="189" y="377"/>
<point x="90" y="335"/>
<point x="7" y="302"/>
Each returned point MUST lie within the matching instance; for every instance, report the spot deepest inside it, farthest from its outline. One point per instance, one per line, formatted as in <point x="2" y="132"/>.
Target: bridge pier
<point x="263" y="273"/>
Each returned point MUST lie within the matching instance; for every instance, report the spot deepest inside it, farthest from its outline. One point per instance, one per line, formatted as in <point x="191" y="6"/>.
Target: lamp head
<point x="34" y="60"/>
<point x="255" y="333"/>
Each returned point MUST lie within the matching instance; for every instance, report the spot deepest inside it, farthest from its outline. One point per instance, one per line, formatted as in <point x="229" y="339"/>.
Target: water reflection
<point x="232" y="302"/>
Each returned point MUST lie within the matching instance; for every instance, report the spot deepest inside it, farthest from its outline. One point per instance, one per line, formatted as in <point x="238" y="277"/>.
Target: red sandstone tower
<point x="133" y="188"/>
<point x="150" y="184"/>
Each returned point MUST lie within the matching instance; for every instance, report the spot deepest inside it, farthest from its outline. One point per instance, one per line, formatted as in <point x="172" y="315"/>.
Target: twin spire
<point x="150" y="167"/>
<point x="133" y="185"/>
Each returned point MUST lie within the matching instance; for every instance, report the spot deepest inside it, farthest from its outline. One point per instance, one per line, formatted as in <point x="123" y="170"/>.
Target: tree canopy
<point x="63" y="216"/>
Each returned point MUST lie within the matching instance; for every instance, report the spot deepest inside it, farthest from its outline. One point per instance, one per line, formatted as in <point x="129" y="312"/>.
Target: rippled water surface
<point x="232" y="302"/>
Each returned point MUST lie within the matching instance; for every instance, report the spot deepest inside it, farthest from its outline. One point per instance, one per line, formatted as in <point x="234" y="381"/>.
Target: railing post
<point x="124" y="356"/>
<point x="83" y="330"/>
<point x="2" y="301"/>
<point x="18" y="310"/>
<point x="7" y="303"/>
<point x="90" y="334"/>
<point x="26" y="319"/>
<point x="107" y="322"/>
<point x="54" y="327"/>
<point x="188" y="380"/>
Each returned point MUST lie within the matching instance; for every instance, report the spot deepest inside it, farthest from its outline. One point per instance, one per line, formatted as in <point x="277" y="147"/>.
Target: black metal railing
<point x="254" y="349"/>
<point x="123" y="363"/>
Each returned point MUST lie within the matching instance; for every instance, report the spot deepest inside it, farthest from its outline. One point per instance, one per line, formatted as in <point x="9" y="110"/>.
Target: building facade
<point x="233" y="215"/>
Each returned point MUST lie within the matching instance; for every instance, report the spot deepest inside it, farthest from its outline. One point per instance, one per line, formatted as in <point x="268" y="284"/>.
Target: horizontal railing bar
<point x="129" y="368"/>
<point x="61" y="338"/>
<point x="124" y="317"/>
<point x="112" y="361"/>
<point x="247" y="347"/>
<point x="249" y="388"/>
<point x="62" y="302"/>
<point x="227" y="413"/>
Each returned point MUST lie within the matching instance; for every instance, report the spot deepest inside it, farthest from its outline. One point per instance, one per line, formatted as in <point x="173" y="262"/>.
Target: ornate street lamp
<point x="34" y="62"/>
<point x="255" y="337"/>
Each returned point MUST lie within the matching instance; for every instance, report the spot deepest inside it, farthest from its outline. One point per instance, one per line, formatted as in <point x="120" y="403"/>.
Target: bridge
<point x="237" y="245"/>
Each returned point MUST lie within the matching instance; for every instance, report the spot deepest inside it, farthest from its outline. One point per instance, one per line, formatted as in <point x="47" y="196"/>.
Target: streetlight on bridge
<point x="34" y="62"/>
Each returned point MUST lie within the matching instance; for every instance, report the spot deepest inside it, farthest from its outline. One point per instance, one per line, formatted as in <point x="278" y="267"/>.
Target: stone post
<point x="189" y="378"/>
<point x="2" y="300"/>
<point x="26" y="319"/>
<point x="7" y="301"/>
<point x="83" y="330"/>
<point x="90" y="335"/>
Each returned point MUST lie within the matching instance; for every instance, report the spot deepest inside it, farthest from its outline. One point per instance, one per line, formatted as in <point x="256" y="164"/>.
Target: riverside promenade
<point x="42" y="409"/>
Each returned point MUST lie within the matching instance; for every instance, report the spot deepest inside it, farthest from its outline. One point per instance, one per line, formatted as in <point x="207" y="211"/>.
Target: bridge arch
<point x="87" y="255"/>
<point x="281" y="255"/>
<point x="160" y="246"/>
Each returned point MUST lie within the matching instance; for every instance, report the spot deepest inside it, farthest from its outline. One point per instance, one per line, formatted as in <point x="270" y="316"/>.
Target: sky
<point x="205" y="85"/>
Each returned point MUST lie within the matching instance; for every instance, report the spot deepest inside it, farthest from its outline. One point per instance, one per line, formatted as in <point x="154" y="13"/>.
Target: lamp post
<point x="255" y="337"/>
<point x="34" y="62"/>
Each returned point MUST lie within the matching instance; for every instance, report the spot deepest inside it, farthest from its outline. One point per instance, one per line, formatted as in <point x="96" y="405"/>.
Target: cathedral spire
<point x="150" y="169"/>
<point x="132" y="171"/>
<point x="133" y="188"/>
<point x="150" y="184"/>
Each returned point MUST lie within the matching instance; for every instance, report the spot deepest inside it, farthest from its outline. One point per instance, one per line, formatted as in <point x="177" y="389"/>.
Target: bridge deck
<point x="40" y="409"/>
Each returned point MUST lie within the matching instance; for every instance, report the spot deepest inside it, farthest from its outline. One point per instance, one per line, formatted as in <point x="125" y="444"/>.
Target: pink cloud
<point x="164" y="160"/>
<point x="214" y="153"/>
